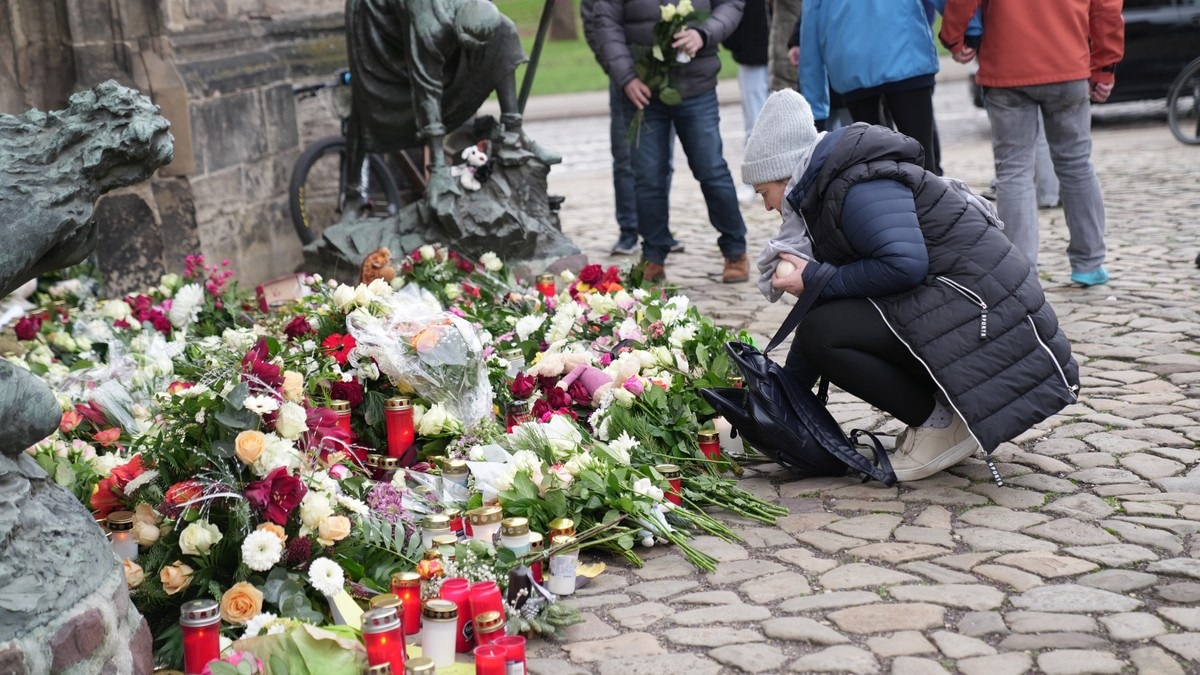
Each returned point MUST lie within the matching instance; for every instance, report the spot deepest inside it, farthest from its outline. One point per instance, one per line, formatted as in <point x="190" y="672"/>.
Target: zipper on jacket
<point x="973" y="297"/>
<point x="1072" y="388"/>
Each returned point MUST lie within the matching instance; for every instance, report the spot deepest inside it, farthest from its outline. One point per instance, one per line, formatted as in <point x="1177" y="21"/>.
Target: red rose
<point x="277" y="495"/>
<point x="298" y="328"/>
<point x="558" y="398"/>
<point x="350" y="391"/>
<point x="160" y="322"/>
<point x="579" y="393"/>
<point x="542" y="410"/>
<point x="28" y="327"/>
<point x="591" y="275"/>
<point x="522" y="386"/>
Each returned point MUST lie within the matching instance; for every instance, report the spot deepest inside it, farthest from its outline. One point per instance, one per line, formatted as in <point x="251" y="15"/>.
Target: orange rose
<point x="241" y="603"/>
<point x="275" y="530"/>
<point x="249" y="445"/>
<point x="332" y="529"/>
<point x="134" y="575"/>
<point x="175" y="577"/>
<point x="293" y="386"/>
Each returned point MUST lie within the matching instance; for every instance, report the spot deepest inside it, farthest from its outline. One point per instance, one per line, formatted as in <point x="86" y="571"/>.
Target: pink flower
<point x="634" y="386"/>
<point x="70" y="420"/>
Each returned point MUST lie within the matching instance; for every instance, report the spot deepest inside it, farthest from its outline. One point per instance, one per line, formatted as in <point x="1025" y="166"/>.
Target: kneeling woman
<point x="931" y="314"/>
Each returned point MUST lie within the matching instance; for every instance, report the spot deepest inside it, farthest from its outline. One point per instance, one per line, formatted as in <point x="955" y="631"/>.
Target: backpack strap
<point x="804" y="303"/>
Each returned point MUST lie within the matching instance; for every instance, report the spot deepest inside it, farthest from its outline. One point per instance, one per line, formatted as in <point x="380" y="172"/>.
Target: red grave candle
<point x="672" y="474"/>
<point x="200" y="622"/>
<point x="398" y="415"/>
<point x="710" y="444"/>
<point x="383" y="638"/>
<point x="518" y="412"/>
<point x="545" y="285"/>
<point x="514" y="657"/>
<point x="490" y="660"/>
<point x="484" y="596"/>
<point x="407" y="587"/>
<point x="457" y="590"/>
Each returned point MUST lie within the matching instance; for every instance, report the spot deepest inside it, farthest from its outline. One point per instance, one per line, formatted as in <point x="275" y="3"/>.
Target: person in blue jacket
<point x="931" y="313"/>
<point x="875" y="53"/>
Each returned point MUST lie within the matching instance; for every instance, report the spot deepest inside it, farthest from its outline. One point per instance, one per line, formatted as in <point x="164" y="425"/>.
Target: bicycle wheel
<point x="1183" y="105"/>
<point x="315" y="194"/>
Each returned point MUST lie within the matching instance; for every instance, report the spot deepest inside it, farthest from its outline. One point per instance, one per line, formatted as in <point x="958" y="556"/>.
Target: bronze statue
<point x="420" y="69"/>
<point x="53" y="167"/>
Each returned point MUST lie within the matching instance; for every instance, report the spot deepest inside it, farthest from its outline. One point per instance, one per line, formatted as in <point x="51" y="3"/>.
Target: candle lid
<point x="380" y="669"/>
<point x="486" y="515"/>
<point x="518" y="406"/>
<point x="514" y="527"/>
<point x="512" y="354"/>
<point x="536" y="541"/>
<point x="338" y="405"/>
<point x="432" y="554"/>
<point x="397" y="403"/>
<point x="194" y="613"/>
<point x="119" y="521"/>
<point x="380" y="620"/>
<point x="406" y="579"/>
<point x="707" y="436"/>
<point x="668" y="470"/>
<point x="452" y="513"/>
<point x="487" y="622"/>
<point x="736" y="380"/>
<point x="545" y="278"/>
<point x="439" y="609"/>
<point x="436" y="521"/>
<point x="562" y="526"/>
<point x="389" y="463"/>
<point x="372" y="460"/>
<point x="387" y="600"/>
<point x="455" y="467"/>
<point x="419" y="665"/>
<point x="445" y="540"/>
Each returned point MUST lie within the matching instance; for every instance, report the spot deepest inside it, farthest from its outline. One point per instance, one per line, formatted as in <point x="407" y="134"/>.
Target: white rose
<point x="526" y="460"/>
<point x="292" y="421"/>
<point x="435" y="421"/>
<point x="363" y="295"/>
<point x="452" y="291"/>
<point x="563" y="435"/>
<point x="427" y="252"/>
<point x="117" y="310"/>
<point x="41" y="356"/>
<point x="314" y="508"/>
<point x="622" y="396"/>
<point x="379" y="287"/>
<point x="64" y="341"/>
<point x="491" y="262"/>
<point x="82" y="343"/>
<point x="199" y="538"/>
<point x="601" y="304"/>
<point x="104" y="464"/>
<point x="682" y="335"/>
<point x="645" y="487"/>
<point x="343" y="297"/>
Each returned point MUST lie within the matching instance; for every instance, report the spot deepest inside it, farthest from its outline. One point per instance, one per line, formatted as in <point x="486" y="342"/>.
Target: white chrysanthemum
<point x="186" y="305"/>
<point x="261" y="404"/>
<point x="526" y="325"/>
<point x="622" y="446"/>
<point x="326" y="576"/>
<point x="355" y="506"/>
<point x="142" y="479"/>
<point x="255" y="625"/>
<point x="491" y="262"/>
<point x="292" y="420"/>
<point x="117" y="310"/>
<point x="261" y="550"/>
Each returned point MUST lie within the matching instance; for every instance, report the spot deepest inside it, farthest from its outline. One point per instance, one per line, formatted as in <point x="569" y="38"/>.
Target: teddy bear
<point x="377" y="265"/>
<point x="473" y="169"/>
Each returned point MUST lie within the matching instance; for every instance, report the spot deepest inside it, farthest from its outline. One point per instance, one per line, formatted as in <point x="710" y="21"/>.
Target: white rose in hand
<point x="783" y="269"/>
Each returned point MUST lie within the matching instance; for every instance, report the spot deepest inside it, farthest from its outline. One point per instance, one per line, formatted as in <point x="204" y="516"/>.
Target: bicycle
<point x="316" y="200"/>
<point x="1183" y="105"/>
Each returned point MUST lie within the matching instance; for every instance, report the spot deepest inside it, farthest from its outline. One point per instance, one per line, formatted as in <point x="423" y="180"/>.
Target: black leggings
<point x="848" y="342"/>
<point x="911" y="110"/>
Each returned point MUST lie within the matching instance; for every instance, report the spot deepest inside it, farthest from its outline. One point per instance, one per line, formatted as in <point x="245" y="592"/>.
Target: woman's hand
<point x="791" y="281"/>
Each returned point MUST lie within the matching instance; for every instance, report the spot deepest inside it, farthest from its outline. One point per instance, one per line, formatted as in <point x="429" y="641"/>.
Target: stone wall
<point x="222" y="71"/>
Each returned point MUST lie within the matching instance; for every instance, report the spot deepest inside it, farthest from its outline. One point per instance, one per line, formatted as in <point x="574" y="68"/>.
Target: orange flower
<point x="427" y="338"/>
<point x="175" y="577"/>
<point x="275" y="530"/>
<point x="70" y="420"/>
<point x="107" y="437"/>
<point x="430" y="569"/>
<point x="241" y="603"/>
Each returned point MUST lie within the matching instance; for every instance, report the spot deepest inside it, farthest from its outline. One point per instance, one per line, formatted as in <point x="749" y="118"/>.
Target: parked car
<point x="1161" y="37"/>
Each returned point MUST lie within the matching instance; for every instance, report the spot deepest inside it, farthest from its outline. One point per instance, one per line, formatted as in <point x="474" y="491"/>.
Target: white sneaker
<point x="924" y="451"/>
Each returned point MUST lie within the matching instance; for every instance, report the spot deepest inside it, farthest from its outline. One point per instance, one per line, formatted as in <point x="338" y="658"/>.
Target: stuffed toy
<point x="468" y="173"/>
<point x="377" y="265"/>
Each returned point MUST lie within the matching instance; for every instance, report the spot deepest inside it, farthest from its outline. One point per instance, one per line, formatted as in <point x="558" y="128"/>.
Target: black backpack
<point x="785" y="420"/>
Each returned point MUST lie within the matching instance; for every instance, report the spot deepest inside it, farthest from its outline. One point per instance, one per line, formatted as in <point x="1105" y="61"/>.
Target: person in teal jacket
<point x="874" y="53"/>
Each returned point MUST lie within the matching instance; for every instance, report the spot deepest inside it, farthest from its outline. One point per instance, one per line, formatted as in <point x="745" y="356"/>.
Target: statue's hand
<point x="442" y="189"/>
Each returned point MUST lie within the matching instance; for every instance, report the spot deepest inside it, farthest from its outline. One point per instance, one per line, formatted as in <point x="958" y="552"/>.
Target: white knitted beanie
<point x="782" y="135"/>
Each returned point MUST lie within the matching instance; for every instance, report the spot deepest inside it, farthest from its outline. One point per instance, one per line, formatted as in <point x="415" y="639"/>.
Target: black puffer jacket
<point x="979" y="321"/>
<point x="612" y="26"/>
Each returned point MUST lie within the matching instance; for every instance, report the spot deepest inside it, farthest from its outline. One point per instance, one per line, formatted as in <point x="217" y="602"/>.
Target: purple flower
<point x="388" y="502"/>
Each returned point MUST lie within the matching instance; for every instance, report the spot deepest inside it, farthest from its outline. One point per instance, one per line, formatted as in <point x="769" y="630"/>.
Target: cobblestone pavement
<point x="1087" y="560"/>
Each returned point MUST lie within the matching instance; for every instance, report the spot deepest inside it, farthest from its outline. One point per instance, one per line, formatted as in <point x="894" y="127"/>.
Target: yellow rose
<point x="293" y="386"/>
<point x="175" y="577"/>
<point x="275" y="530"/>
<point x="332" y="529"/>
<point x="241" y="603"/>
<point x="668" y="12"/>
<point x="249" y="445"/>
<point x="134" y="574"/>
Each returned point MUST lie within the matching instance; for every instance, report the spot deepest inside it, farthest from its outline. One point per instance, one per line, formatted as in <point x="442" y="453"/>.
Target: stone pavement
<point x="1086" y="560"/>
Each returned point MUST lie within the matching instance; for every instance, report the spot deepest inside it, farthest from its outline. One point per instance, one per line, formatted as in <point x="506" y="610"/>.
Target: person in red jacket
<point x="1054" y="57"/>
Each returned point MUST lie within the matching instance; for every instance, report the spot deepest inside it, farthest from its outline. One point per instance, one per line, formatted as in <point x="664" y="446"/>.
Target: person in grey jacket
<point x="617" y="30"/>
<point x="931" y="315"/>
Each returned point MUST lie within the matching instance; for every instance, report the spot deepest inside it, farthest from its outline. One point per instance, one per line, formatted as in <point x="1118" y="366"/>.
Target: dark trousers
<point x="911" y="110"/>
<point x="848" y="342"/>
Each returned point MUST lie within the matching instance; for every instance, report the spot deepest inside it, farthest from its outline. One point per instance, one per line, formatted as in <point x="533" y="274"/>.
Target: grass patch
<point x="567" y="66"/>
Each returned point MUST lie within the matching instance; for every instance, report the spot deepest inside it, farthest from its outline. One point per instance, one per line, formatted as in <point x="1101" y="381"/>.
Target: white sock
<point x="940" y="418"/>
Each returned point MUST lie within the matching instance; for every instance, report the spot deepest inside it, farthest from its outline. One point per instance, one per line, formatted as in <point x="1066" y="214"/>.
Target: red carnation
<point x="277" y="495"/>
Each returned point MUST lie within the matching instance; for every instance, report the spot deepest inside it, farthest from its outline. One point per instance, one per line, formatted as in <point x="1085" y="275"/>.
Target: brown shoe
<point x="736" y="270"/>
<point x="653" y="272"/>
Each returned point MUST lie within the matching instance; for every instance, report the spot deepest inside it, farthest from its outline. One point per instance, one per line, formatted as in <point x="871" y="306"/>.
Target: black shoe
<point x="676" y="246"/>
<point x="624" y="247"/>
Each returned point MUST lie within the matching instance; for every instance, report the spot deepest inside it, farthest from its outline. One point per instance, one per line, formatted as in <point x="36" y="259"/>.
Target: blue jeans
<point x="1066" y="113"/>
<point x="697" y="121"/>
<point x="624" y="191"/>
